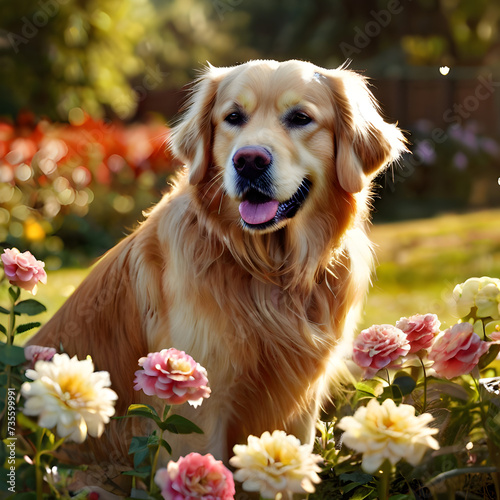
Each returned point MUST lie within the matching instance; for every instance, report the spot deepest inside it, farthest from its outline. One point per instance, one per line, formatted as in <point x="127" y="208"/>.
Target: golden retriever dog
<point x="256" y="263"/>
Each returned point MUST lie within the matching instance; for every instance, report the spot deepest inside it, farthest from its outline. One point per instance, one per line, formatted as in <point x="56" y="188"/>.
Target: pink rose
<point x="456" y="351"/>
<point x="34" y="353"/>
<point x="420" y="330"/>
<point x="23" y="270"/>
<point x="174" y="376"/>
<point x="379" y="347"/>
<point x="195" y="476"/>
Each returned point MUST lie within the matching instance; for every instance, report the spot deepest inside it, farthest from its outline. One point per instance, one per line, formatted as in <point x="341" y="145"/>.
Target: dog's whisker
<point x="220" y="204"/>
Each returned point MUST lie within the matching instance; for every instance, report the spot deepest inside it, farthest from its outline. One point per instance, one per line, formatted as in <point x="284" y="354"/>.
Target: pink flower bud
<point x="34" y="353"/>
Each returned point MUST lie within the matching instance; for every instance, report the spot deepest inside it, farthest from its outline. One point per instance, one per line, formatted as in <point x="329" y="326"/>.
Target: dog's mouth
<point x="259" y="211"/>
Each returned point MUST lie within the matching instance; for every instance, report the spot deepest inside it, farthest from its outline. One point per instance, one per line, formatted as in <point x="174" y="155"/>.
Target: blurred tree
<point x="454" y="32"/>
<point x="106" y="55"/>
<point x="102" y="55"/>
<point x="60" y="54"/>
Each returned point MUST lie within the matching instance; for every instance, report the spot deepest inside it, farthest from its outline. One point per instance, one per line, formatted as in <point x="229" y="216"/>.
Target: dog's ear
<point x="191" y="138"/>
<point x="365" y="143"/>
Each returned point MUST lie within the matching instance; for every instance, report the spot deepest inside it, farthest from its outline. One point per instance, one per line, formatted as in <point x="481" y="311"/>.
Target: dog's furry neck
<point x="293" y="257"/>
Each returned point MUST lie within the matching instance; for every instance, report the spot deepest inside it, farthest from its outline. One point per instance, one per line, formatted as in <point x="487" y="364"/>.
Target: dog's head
<point x="274" y="136"/>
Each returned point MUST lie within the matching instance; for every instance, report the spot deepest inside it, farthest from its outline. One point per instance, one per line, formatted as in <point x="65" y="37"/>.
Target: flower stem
<point x="155" y="463"/>
<point x="384" y="481"/>
<point x="388" y="377"/>
<point x="157" y="453"/>
<point x="424" y="403"/>
<point x="38" y="465"/>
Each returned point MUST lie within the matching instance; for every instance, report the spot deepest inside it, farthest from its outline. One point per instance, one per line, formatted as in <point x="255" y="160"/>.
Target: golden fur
<point x="268" y="312"/>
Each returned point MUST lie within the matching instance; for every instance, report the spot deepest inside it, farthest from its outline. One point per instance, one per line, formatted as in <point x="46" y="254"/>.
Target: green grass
<point x="418" y="265"/>
<point x="420" y="262"/>
<point x="60" y="285"/>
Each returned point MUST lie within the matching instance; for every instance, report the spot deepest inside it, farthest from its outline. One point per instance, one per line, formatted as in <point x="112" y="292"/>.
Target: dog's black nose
<point x="252" y="161"/>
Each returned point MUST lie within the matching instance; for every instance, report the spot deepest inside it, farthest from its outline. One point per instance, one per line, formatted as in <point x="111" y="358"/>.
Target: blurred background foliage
<point x="89" y="87"/>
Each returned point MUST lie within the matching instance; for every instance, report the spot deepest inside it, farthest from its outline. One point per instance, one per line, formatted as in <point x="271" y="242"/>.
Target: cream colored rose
<point x="66" y="394"/>
<point x="481" y="296"/>
<point x="275" y="463"/>
<point x="386" y="431"/>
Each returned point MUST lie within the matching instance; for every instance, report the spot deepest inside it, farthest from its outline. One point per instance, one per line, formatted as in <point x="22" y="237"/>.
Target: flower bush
<point x="58" y="181"/>
<point x="426" y="416"/>
<point x="424" y="419"/>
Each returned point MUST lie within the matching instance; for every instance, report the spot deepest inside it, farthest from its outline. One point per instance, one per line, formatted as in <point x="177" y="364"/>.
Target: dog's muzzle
<point x="260" y="209"/>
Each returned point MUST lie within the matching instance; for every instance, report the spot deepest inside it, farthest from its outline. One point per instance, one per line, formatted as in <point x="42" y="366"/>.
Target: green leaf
<point x="26" y="496"/>
<point x="27" y="327"/>
<point x="138" y="443"/>
<point x="14" y="292"/>
<point x="31" y="307"/>
<point x="165" y="445"/>
<point x="4" y="311"/>
<point x="391" y="392"/>
<point x="153" y="440"/>
<point x="139" y="494"/>
<point x="365" y="388"/>
<point x="3" y="329"/>
<point x="349" y="487"/>
<point x="176" y="424"/>
<point x="488" y="356"/>
<point x="140" y="456"/>
<point x="4" y="453"/>
<point x="141" y="409"/>
<point x="405" y="384"/>
<point x="12" y="355"/>
<point x="357" y="477"/>
<point x="165" y="411"/>
<point x="361" y="493"/>
<point x="141" y="472"/>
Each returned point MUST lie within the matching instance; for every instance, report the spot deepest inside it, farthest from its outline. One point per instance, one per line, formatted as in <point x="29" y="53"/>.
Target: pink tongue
<point x="258" y="213"/>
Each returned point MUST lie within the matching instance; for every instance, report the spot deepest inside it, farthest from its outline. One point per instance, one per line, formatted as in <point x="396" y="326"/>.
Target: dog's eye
<point x="298" y="119"/>
<point x="235" y="118"/>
